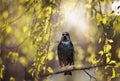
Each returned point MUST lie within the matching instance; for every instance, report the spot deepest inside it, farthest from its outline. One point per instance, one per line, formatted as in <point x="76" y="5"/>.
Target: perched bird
<point x="66" y="52"/>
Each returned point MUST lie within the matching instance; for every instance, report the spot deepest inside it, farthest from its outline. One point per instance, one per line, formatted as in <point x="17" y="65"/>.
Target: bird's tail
<point x="68" y="73"/>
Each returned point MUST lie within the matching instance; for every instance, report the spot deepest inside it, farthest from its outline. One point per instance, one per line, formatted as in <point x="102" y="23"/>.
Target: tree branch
<point x="100" y="8"/>
<point x="17" y="18"/>
<point x="73" y="68"/>
<point x="114" y="19"/>
<point x="17" y="46"/>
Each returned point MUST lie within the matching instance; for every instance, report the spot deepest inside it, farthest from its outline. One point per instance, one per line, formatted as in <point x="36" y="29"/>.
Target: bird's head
<point x="65" y="37"/>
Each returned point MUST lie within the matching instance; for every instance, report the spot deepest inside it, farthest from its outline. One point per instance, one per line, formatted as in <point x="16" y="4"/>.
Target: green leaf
<point x="5" y="14"/>
<point x="113" y="62"/>
<point x="100" y="40"/>
<point x="25" y="28"/>
<point x="111" y="41"/>
<point x="50" y="55"/>
<point x="30" y="70"/>
<point x="107" y="48"/>
<point x="38" y="68"/>
<point x="113" y="73"/>
<point x="44" y="69"/>
<point x="117" y="65"/>
<point x="23" y="61"/>
<point x="107" y="59"/>
<point x="88" y="6"/>
<point x="12" y="79"/>
<point x="8" y="29"/>
<point x="101" y="52"/>
<point x="90" y="1"/>
<point x="49" y="69"/>
<point x="2" y="69"/>
<point x="106" y="67"/>
<point x="104" y="20"/>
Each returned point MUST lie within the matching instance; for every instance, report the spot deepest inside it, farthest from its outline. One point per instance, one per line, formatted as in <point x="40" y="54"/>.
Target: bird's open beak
<point x="65" y="37"/>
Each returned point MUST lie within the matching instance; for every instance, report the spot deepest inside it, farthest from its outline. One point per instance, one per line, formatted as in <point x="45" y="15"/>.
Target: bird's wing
<point x="60" y="52"/>
<point x="70" y="54"/>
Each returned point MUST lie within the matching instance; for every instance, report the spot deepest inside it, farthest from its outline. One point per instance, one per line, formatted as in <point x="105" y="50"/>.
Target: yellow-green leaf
<point x="107" y="60"/>
<point x="30" y="70"/>
<point x="12" y="79"/>
<point x="5" y="14"/>
<point x="108" y="57"/>
<point x="101" y="52"/>
<point x="44" y="68"/>
<point x="2" y="69"/>
<point x="50" y="55"/>
<point x="56" y="58"/>
<point x="49" y="69"/>
<point x="25" y="28"/>
<point x="111" y="41"/>
<point x="104" y="20"/>
<point x="38" y="67"/>
<point x="90" y="1"/>
<point x="46" y="36"/>
<point x="100" y="40"/>
<point x="113" y="73"/>
<point x="117" y="65"/>
<point x="88" y="6"/>
<point x="107" y="48"/>
<point x="23" y="61"/>
<point x="8" y="29"/>
<point x="113" y="62"/>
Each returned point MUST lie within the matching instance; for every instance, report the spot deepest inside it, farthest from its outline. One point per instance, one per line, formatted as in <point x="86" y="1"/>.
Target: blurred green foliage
<point x="99" y="11"/>
<point x="27" y="28"/>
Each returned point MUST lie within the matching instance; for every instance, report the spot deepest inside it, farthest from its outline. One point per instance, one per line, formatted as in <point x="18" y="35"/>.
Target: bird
<point x="66" y="52"/>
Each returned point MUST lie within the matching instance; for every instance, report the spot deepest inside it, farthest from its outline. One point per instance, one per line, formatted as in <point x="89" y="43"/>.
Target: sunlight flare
<point x="74" y="17"/>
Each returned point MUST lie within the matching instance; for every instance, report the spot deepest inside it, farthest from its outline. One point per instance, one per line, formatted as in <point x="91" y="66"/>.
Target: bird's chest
<point x="65" y="46"/>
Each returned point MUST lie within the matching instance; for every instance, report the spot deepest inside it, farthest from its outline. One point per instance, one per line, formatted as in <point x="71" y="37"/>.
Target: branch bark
<point x="73" y="68"/>
<point x="99" y="3"/>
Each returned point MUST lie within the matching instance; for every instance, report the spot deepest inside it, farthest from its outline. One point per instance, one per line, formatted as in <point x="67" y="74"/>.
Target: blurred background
<point x="30" y="31"/>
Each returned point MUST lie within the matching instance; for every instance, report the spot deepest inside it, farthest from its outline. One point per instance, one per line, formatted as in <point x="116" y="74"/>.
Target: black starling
<point x="66" y="52"/>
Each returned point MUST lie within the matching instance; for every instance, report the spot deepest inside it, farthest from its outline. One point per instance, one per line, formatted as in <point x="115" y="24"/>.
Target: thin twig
<point x="100" y="8"/>
<point x="76" y="4"/>
<point x="17" y="46"/>
<point x="20" y="16"/>
<point x="30" y="6"/>
<point x="90" y="75"/>
<point x="114" y="19"/>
